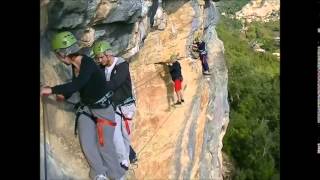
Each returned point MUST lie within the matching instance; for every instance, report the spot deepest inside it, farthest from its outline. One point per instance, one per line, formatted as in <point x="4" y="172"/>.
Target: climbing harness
<point x="98" y="121"/>
<point x="104" y="102"/>
<point x="128" y="101"/>
<point x="125" y="119"/>
<point x="203" y="52"/>
<point x="80" y="110"/>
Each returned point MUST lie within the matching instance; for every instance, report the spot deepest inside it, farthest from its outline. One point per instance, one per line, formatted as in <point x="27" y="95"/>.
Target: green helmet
<point x="63" y="40"/>
<point x="100" y="47"/>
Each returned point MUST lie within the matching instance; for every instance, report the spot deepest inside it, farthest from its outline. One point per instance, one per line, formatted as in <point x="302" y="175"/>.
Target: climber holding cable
<point x="200" y="45"/>
<point x="97" y="119"/>
<point x="119" y="81"/>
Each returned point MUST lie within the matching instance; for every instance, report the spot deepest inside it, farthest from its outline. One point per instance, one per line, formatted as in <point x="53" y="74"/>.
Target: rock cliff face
<point x="172" y="142"/>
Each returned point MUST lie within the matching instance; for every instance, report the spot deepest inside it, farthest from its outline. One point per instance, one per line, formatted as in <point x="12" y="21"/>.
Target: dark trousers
<point x="204" y="63"/>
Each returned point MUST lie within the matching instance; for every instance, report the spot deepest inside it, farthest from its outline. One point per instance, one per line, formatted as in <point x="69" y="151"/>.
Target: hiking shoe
<point x="177" y="103"/>
<point x="101" y="177"/>
<point x="206" y="73"/>
<point x="132" y="156"/>
<point x="182" y="100"/>
<point x="124" y="166"/>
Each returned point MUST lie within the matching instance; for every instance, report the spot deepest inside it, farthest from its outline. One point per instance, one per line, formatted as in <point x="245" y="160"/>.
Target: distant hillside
<point x="252" y="138"/>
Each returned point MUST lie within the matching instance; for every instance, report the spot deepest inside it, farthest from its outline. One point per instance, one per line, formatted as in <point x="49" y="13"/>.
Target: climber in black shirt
<point x="176" y="75"/>
<point x="201" y="48"/>
<point x="97" y="116"/>
<point x="86" y="81"/>
<point x="119" y="81"/>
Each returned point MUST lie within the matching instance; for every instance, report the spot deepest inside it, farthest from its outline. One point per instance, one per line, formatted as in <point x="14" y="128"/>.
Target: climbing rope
<point x="145" y="81"/>
<point x="155" y="133"/>
<point x="163" y="121"/>
<point x="45" y="128"/>
<point x="152" y="77"/>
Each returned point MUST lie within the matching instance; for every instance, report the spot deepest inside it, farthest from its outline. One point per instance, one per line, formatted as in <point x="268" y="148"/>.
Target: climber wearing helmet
<point x="176" y="75"/>
<point x="119" y="81"/>
<point x="201" y="47"/>
<point x="95" y="114"/>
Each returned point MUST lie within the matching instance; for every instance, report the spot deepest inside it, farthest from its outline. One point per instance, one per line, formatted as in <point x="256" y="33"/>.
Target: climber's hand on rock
<point x="60" y="98"/>
<point x="45" y="91"/>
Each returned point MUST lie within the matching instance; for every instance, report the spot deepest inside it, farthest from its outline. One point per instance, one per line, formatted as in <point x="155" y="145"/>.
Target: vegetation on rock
<point x="252" y="138"/>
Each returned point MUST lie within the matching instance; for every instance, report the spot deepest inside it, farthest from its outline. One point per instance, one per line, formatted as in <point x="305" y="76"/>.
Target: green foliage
<point x="265" y="34"/>
<point x="252" y="138"/>
<point x="232" y="6"/>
